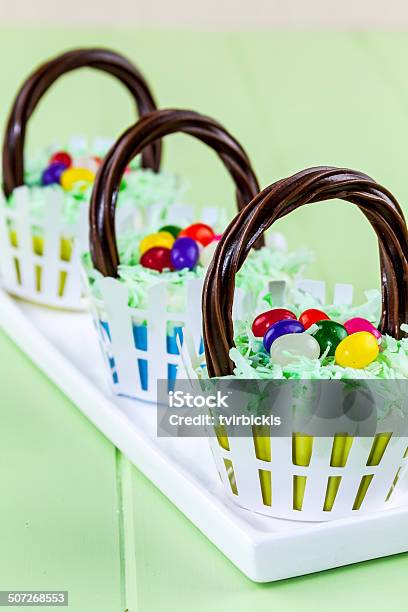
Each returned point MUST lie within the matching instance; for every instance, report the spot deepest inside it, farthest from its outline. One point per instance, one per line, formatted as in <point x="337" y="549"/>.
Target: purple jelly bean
<point x="52" y="173"/>
<point x="280" y="328"/>
<point x="184" y="253"/>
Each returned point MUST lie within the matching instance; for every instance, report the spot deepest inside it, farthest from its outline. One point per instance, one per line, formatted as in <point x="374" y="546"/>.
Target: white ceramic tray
<point x="64" y="346"/>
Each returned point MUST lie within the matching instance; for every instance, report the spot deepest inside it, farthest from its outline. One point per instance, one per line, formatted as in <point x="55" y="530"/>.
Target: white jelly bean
<point x="287" y="348"/>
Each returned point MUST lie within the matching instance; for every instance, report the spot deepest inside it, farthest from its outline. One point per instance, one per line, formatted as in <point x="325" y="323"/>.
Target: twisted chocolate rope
<point x="313" y="185"/>
<point x="39" y="82"/>
<point x="145" y="132"/>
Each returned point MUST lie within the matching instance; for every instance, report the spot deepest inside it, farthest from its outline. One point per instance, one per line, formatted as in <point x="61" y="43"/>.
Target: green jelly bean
<point x="329" y="334"/>
<point x="174" y="230"/>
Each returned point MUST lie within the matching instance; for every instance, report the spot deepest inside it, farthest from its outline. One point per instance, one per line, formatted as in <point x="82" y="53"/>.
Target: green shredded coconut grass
<point x="252" y="361"/>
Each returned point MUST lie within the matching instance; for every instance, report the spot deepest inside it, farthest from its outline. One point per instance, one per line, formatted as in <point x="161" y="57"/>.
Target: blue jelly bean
<point x="184" y="253"/>
<point x="280" y="328"/>
<point x="52" y="173"/>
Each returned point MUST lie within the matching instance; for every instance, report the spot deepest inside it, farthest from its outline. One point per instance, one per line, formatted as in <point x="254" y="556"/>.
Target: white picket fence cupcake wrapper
<point x="142" y="346"/>
<point x="311" y="479"/>
<point x="135" y="342"/>
<point x="320" y="490"/>
<point x="33" y="265"/>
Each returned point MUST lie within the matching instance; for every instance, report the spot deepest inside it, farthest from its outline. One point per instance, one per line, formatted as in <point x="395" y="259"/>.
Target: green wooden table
<point x="74" y="514"/>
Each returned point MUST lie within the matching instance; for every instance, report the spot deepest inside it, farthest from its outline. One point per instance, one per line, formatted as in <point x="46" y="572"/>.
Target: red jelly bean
<point x="263" y="321"/>
<point x="200" y="232"/>
<point x="157" y="258"/>
<point x="311" y="316"/>
<point x="61" y="157"/>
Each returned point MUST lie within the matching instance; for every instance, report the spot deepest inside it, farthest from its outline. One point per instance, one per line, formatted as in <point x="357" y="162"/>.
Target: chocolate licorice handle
<point x="313" y="185"/>
<point x="41" y="80"/>
<point x="145" y="132"/>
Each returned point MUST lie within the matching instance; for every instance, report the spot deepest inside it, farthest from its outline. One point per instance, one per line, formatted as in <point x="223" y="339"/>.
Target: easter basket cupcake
<point x="303" y="474"/>
<point x="141" y="305"/>
<point x="44" y="215"/>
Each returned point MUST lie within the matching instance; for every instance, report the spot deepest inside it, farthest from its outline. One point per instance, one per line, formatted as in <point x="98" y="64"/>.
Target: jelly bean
<point x="185" y="253"/>
<point x="311" y="316"/>
<point x="61" y="157"/>
<point x="281" y="328"/>
<point x="52" y="174"/>
<point x="160" y="239"/>
<point x="200" y="232"/>
<point x="329" y="334"/>
<point x="156" y="258"/>
<point x="94" y="163"/>
<point x="264" y="320"/>
<point x="174" y="230"/>
<point x="91" y="163"/>
<point x="207" y="253"/>
<point x="83" y="176"/>
<point x="217" y="236"/>
<point x="286" y="348"/>
<point x="357" y="324"/>
<point x="357" y="350"/>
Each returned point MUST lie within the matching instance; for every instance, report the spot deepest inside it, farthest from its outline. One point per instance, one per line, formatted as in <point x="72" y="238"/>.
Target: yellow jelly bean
<point x="160" y="239"/>
<point x="71" y="176"/>
<point x="357" y="350"/>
